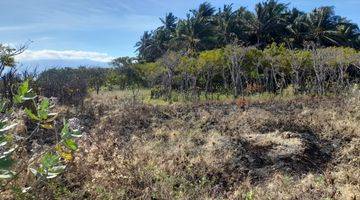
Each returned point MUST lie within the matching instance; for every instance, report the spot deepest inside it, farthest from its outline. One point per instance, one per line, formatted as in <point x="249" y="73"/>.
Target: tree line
<point x="232" y="70"/>
<point x="207" y="28"/>
<point x="241" y="70"/>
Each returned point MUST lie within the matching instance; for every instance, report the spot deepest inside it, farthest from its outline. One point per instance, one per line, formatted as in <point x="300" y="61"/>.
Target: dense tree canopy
<point x="205" y="28"/>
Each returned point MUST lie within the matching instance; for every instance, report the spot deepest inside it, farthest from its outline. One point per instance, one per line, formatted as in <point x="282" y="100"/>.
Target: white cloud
<point x="64" y="55"/>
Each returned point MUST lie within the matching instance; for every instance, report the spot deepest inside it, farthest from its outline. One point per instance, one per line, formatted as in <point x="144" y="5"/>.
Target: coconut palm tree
<point x="143" y="47"/>
<point x="225" y="21"/>
<point x="268" y="23"/>
<point x="197" y="32"/>
<point x="321" y="26"/>
<point x="169" y="22"/>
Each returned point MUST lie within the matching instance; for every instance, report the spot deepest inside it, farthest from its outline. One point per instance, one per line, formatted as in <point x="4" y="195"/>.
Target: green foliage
<point x="249" y="195"/>
<point x="24" y="93"/>
<point x="273" y="21"/>
<point x="51" y="161"/>
<point x="50" y="166"/>
<point x="42" y="114"/>
<point x="248" y="70"/>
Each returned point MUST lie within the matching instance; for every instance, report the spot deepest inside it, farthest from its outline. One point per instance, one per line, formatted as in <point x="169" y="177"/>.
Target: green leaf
<point x="18" y="99"/>
<point x="23" y="88"/>
<point x="71" y="144"/>
<point x="31" y="115"/>
<point x="24" y="93"/>
<point x="65" y="131"/>
<point x="2" y="123"/>
<point x="6" y="163"/>
<point x="43" y="110"/>
<point x="49" y="160"/>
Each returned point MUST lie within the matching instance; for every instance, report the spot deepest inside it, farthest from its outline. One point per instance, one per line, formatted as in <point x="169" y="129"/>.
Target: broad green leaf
<point x="23" y="88"/>
<point x="31" y="115"/>
<point x="43" y="110"/>
<point x="6" y="163"/>
<point x="24" y="93"/>
<point x="18" y="99"/>
<point x="71" y="144"/>
<point x="65" y="131"/>
<point x="49" y="160"/>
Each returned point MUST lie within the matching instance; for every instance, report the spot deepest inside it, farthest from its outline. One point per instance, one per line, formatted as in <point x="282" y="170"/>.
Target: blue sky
<point x="102" y="29"/>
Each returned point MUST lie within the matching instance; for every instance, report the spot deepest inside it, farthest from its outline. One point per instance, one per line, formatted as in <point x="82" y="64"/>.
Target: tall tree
<point x="225" y="21"/>
<point x="268" y="22"/>
<point x="322" y="27"/>
<point x="197" y="32"/>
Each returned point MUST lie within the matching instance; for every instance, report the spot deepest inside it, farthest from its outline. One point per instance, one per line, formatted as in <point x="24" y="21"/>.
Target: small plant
<point x="53" y="160"/>
<point x="42" y="115"/>
<point x="249" y="195"/>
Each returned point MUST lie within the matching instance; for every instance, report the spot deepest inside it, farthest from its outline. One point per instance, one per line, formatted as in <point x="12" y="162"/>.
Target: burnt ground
<point x="303" y="148"/>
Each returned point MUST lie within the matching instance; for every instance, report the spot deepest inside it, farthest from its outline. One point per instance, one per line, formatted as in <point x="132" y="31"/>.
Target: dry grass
<point x="301" y="148"/>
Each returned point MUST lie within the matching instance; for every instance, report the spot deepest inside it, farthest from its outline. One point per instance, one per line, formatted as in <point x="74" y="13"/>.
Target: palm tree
<point x="268" y="23"/>
<point x="296" y="27"/>
<point x="225" y="21"/>
<point x="349" y="32"/>
<point x="143" y="46"/>
<point x="204" y="11"/>
<point x="196" y="33"/>
<point x="169" y="22"/>
<point x="244" y="25"/>
<point x="203" y="29"/>
<point x="322" y="27"/>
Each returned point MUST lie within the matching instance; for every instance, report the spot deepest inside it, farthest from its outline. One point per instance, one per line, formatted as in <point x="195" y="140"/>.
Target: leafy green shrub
<point x="52" y="159"/>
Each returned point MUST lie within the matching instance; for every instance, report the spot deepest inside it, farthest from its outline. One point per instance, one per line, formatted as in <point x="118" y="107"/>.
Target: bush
<point x="51" y="158"/>
<point x="158" y="92"/>
<point x="68" y="85"/>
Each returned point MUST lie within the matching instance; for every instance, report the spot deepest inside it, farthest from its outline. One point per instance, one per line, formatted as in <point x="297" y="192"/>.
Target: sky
<point x="100" y="30"/>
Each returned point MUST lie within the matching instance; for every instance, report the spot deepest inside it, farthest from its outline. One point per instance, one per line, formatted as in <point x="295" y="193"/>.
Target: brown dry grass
<point x="303" y="148"/>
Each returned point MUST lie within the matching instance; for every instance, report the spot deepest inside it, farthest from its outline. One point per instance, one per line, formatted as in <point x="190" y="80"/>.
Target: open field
<point x="144" y="96"/>
<point x="302" y="148"/>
